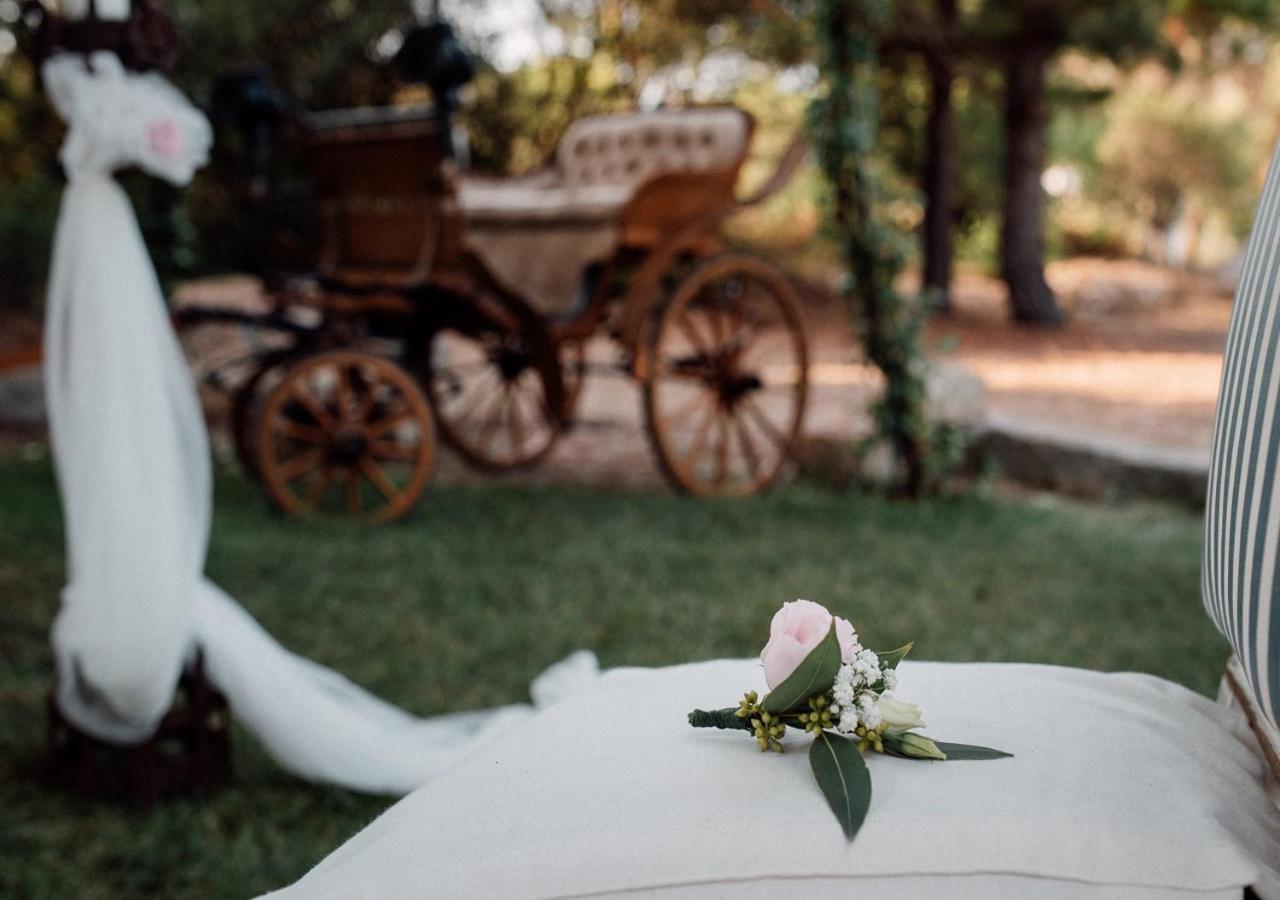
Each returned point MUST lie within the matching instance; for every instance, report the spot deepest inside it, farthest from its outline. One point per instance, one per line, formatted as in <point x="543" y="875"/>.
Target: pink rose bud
<point x="796" y="629"/>
<point x="165" y="138"/>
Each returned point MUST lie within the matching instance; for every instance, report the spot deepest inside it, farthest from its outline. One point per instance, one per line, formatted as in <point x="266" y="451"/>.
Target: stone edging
<point x="1091" y="465"/>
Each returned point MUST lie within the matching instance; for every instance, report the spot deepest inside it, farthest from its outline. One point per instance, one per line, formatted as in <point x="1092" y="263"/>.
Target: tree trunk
<point x="1031" y="299"/>
<point x="940" y="169"/>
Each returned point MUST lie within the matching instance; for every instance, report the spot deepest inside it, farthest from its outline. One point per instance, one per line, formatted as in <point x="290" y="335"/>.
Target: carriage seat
<point x="537" y="200"/>
<point x="601" y="161"/>
<point x="539" y="233"/>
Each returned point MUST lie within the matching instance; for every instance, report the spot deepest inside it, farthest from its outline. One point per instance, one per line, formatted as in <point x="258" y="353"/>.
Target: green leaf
<point x="890" y="658"/>
<point x="970" y="751"/>
<point x="842" y="774"/>
<point x="815" y="675"/>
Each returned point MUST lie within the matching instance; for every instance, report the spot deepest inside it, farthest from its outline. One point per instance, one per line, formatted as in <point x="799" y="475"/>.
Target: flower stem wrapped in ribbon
<point x="824" y="682"/>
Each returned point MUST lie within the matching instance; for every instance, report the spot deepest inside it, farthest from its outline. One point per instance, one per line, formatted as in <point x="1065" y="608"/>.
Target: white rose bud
<point x="899" y="716"/>
<point x="919" y="747"/>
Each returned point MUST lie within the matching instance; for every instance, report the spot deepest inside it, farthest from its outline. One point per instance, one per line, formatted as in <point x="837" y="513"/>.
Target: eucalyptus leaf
<point x="970" y="752"/>
<point x="815" y="675"/>
<point x="842" y="774"/>
<point x="890" y="658"/>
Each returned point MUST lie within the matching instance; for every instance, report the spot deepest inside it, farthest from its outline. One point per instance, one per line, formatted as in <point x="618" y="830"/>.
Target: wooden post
<point x="189" y="753"/>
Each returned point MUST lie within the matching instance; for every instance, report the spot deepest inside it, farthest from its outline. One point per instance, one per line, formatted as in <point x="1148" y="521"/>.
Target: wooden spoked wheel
<point x="726" y="378"/>
<point x="489" y="391"/>
<point x="346" y="432"/>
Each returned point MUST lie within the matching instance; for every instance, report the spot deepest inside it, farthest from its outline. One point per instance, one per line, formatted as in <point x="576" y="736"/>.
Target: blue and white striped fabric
<point x="1240" y="582"/>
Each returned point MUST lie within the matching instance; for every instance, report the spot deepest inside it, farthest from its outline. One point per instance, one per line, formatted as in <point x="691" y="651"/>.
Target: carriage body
<point x="444" y="303"/>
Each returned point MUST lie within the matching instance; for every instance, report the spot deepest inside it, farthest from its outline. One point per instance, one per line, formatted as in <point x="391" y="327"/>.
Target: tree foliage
<point x="614" y="54"/>
<point x="617" y="55"/>
<point x="1169" y="160"/>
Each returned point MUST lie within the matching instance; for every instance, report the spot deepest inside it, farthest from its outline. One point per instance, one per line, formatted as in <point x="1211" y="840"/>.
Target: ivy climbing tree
<point x="844" y="122"/>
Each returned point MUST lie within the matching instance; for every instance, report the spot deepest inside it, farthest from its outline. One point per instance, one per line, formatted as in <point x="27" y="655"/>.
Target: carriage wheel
<point x="726" y="379"/>
<point x="488" y="387"/>
<point x="346" y="432"/>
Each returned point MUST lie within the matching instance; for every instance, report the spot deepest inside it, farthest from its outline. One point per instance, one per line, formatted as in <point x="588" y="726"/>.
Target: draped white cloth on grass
<point x="132" y="458"/>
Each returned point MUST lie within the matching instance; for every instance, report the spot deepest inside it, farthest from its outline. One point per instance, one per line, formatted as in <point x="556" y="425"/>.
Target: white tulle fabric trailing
<point x="132" y="459"/>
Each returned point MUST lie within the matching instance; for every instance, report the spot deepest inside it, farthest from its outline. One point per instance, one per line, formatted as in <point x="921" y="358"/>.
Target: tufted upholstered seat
<point x="538" y="233"/>
<point x="602" y="160"/>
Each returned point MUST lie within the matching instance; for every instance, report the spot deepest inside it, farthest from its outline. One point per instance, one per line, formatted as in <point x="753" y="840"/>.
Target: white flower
<point x="890" y="679"/>
<point x="866" y="665"/>
<point x="848" y="723"/>
<point x="843" y="690"/>
<point x="869" y="710"/>
<point x="899" y="716"/>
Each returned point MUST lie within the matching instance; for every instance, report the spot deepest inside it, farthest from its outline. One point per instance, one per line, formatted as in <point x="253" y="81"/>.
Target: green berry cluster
<point x="768" y="730"/>
<point x="819" y="718"/>
<point x="870" y="738"/>
<point x="748" y="706"/>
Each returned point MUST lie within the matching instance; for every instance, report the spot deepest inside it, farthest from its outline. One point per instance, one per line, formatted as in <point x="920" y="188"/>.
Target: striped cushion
<point x="1240" y="581"/>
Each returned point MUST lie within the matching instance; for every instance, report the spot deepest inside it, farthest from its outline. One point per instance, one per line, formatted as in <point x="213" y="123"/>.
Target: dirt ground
<point x="1139" y="360"/>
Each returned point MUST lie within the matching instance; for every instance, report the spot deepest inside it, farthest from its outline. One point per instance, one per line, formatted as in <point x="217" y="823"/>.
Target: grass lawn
<point x="485" y="586"/>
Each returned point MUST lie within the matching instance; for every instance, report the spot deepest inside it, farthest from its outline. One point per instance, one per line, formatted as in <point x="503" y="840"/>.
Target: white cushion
<point x="1121" y="785"/>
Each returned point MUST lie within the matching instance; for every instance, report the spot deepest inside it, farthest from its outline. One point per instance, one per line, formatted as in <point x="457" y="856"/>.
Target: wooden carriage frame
<point x="394" y="265"/>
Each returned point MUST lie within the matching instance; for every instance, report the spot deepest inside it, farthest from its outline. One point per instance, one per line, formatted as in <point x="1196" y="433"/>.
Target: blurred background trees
<point x="1014" y="52"/>
<point x="1010" y="132"/>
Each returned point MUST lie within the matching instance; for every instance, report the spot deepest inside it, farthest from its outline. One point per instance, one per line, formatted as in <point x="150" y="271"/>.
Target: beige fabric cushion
<point x="538" y="201"/>
<point x="537" y="236"/>
<point x="1123" y="785"/>
<point x="545" y="265"/>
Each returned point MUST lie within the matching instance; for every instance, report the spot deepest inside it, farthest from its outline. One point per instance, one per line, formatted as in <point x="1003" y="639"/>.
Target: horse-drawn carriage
<point x="444" y="303"/>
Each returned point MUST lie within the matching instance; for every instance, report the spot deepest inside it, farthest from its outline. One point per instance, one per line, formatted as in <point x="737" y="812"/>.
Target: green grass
<point x="463" y="604"/>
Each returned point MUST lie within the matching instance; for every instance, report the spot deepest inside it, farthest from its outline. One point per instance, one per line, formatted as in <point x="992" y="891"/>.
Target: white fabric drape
<point x="133" y="467"/>
<point x="128" y="439"/>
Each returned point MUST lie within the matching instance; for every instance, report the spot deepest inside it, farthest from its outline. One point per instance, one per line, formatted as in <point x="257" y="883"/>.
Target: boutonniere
<point x="824" y="682"/>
